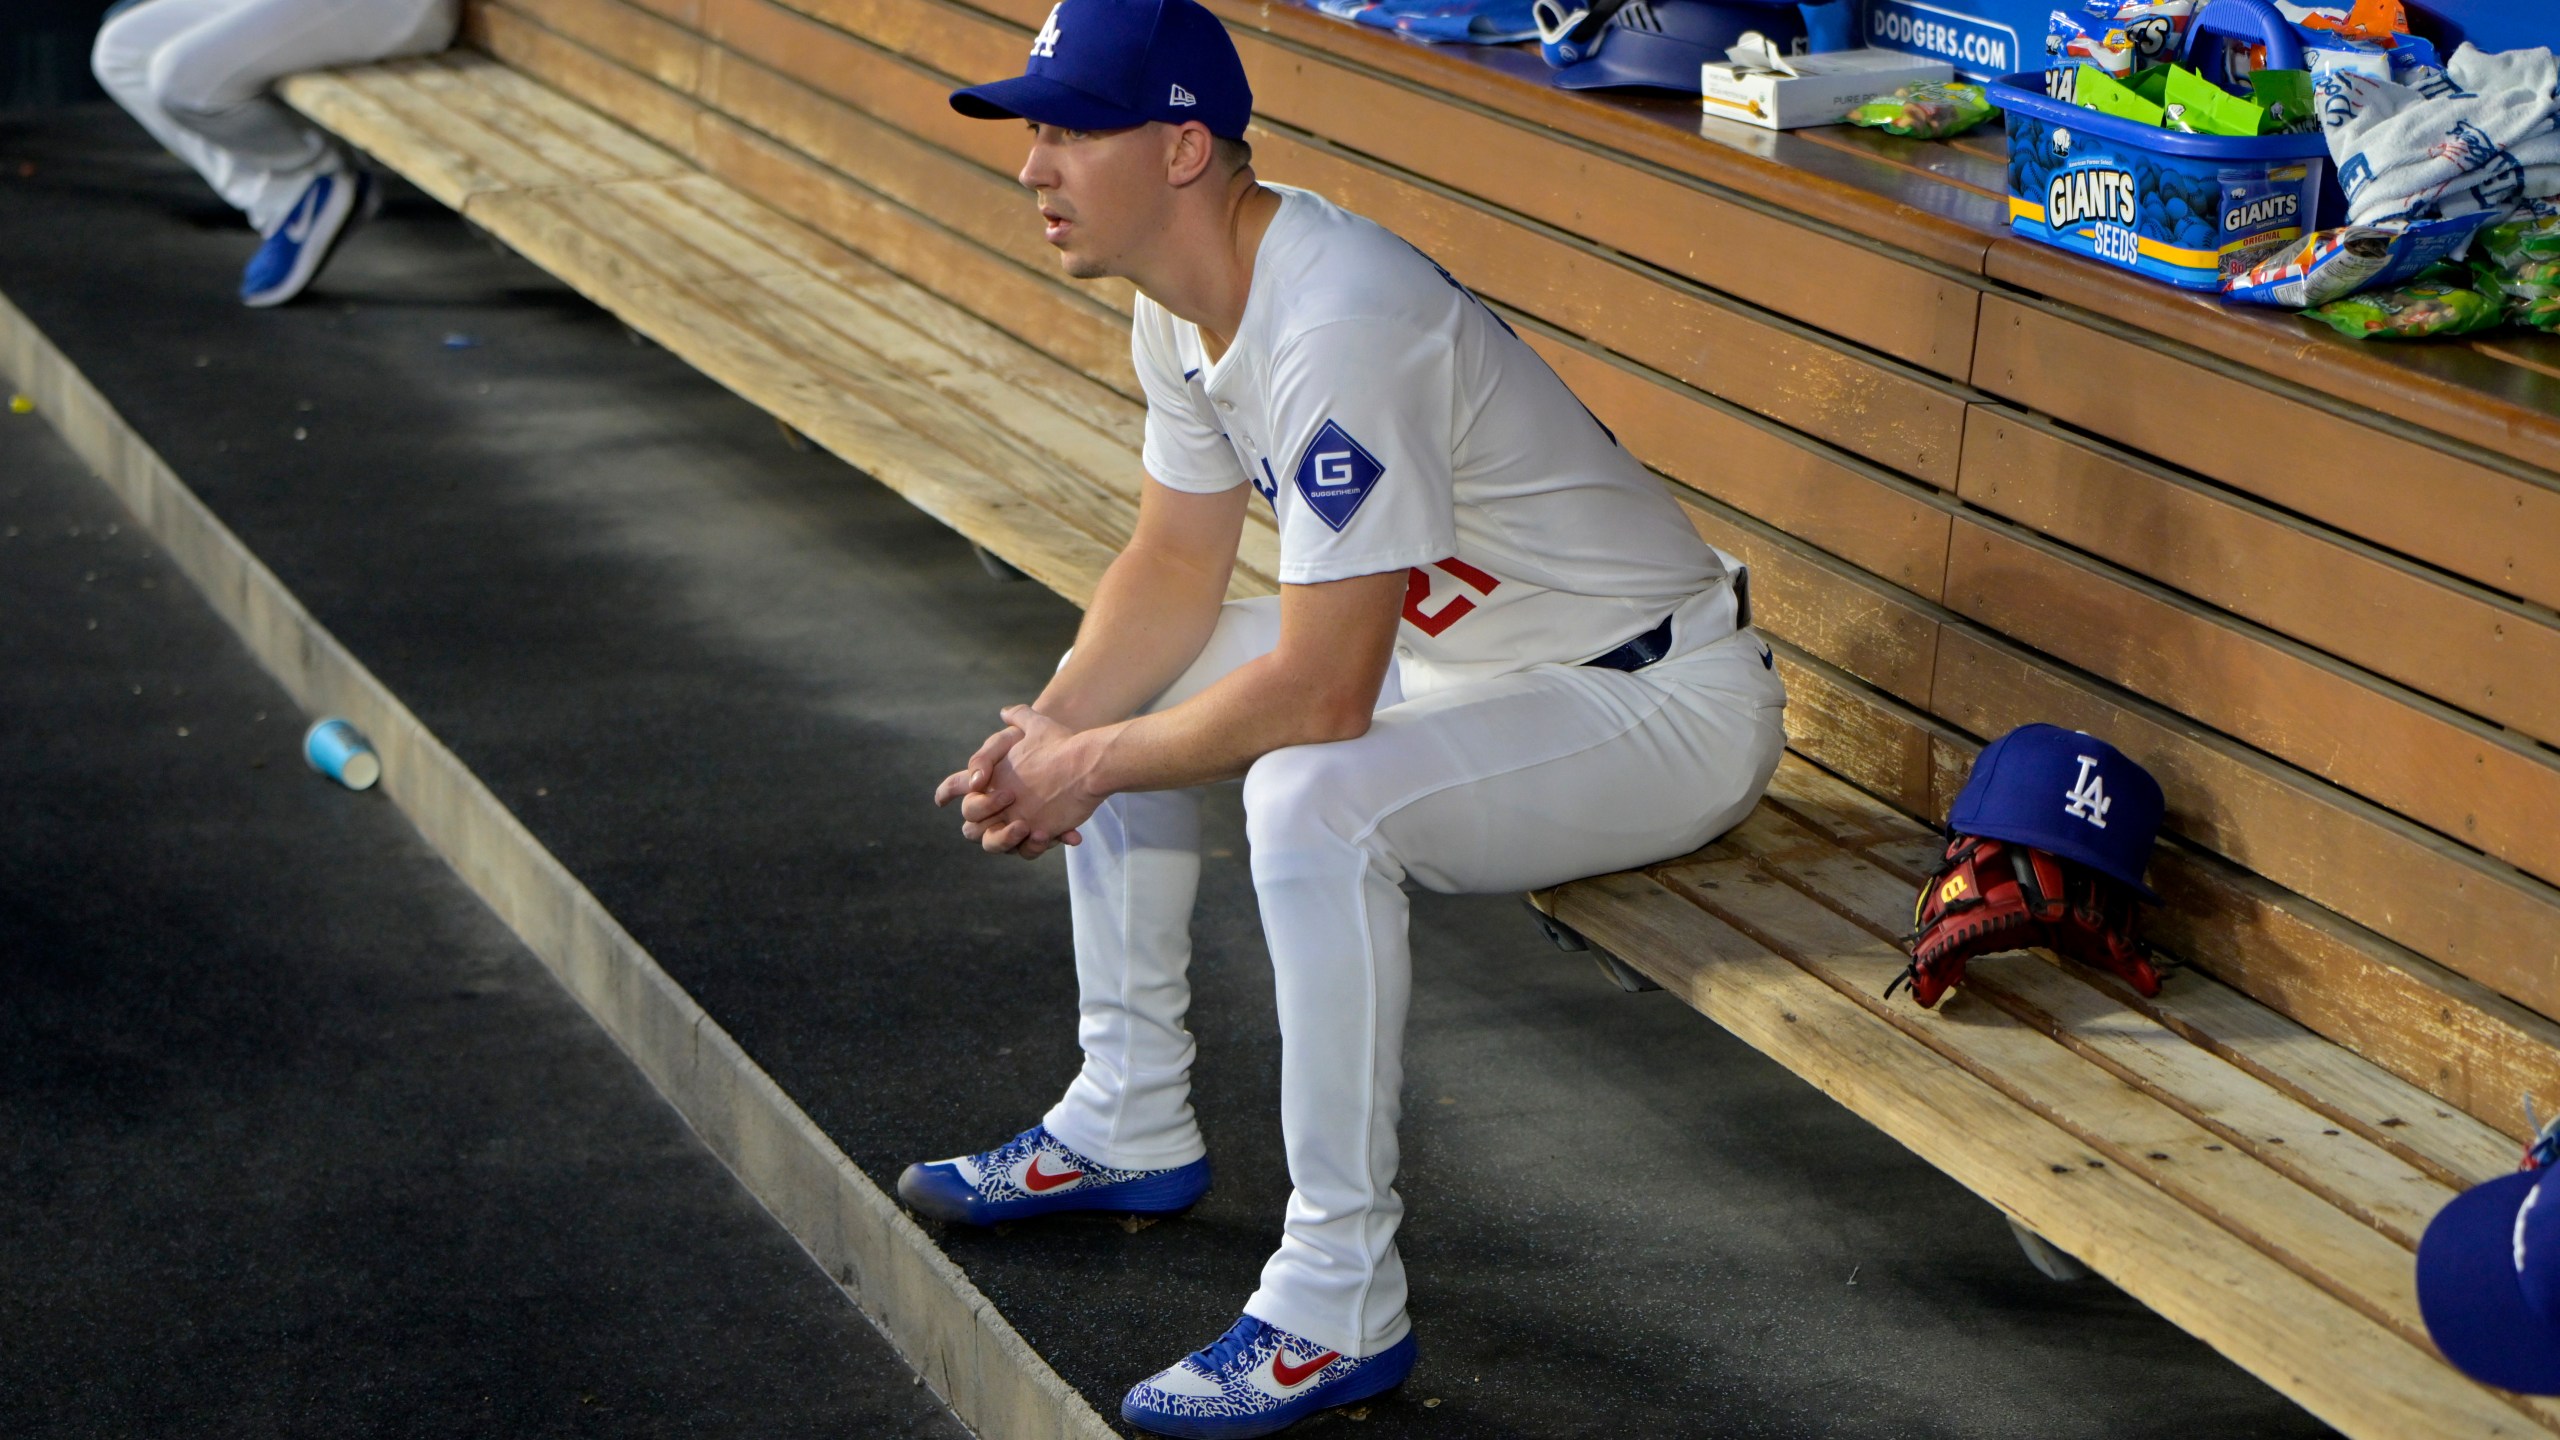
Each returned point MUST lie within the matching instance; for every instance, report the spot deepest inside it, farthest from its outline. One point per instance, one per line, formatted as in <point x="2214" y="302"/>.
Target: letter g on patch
<point x="1335" y="473"/>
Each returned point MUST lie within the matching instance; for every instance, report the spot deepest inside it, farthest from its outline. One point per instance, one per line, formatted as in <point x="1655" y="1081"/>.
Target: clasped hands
<point x="1024" y="790"/>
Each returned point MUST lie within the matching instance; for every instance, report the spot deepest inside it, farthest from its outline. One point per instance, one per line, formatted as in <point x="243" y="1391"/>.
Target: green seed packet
<point x="2152" y="83"/>
<point x="2444" y="301"/>
<point x="2095" y="89"/>
<point x="2285" y="96"/>
<point x="2198" y="106"/>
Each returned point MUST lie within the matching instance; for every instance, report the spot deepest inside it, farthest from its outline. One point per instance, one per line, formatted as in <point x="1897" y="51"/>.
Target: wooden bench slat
<point x="2130" y="1127"/>
<point x="1032" y="370"/>
<point x="2472" y="915"/>
<point x="990" y="209"/>
<point x="1812" y="600"/>
<point x="2300" y="1338"/>
<point x="441" y="169"/>
<point x="627" y="35"/>
<point x="2451" y="389"/>
<point x="2403" y="1119"/>
<point x="2399" y="749"/>
<point x="1873" y="520"/>
<point x="1066" y="325"/>
<point x="878" y="82"/>
<point x="2467" y="647"/>
<point x="827" y="408"/>
<point x="663" y="115"/>
<point x="2312" y="1147"/>
<point x="1841" y="723"/>
<point x="2460" y="514"/>
<point x="571" y="137"/>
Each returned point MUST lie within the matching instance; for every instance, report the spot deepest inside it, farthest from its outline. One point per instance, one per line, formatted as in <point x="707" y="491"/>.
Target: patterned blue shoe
<point x="1034" y="1173"/>
<point x="286" y="263"/>
<point x="1259" y="1379"/>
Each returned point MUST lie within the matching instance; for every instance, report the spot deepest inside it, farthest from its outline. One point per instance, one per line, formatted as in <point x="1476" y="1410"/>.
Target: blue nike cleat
<point x="1259" y="1379"/>
<point x="1034" y="1173"/>
<point x="330" y="206"/>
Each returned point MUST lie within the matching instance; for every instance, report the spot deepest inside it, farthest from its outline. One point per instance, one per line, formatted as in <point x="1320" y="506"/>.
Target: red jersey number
<point x="1420" y="582"/>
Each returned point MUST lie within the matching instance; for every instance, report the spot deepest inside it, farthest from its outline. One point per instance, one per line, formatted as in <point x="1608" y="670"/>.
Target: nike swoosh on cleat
<point x="1035" y="1182"/>
<point x="298" y="229"/>
<point x="1289" y="1377"/>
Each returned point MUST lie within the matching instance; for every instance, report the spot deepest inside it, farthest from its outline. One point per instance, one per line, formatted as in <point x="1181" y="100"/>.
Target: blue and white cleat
<point x="1034" y="1173"/>
<point x="1259" y="1379"/>
<point x="330" y="206"/>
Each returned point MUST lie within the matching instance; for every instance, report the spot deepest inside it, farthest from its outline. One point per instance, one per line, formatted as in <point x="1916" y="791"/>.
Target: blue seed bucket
<point x="2160" y="202"/>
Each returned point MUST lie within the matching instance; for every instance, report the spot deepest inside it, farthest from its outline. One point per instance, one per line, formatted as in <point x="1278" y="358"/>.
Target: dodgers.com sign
<point x="1977" y="47"/>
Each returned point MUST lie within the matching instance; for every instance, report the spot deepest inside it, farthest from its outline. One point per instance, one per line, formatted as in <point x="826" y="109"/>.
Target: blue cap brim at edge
<point x="1044" y="101"/>
<point x="2475" y="1310"/>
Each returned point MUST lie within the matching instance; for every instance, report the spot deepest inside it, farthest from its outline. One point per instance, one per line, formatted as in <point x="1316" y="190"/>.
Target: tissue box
<point x="1785" y="92"/>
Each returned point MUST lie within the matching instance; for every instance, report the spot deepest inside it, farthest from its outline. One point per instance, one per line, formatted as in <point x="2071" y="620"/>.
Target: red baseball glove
<point x="1991" y="896"/>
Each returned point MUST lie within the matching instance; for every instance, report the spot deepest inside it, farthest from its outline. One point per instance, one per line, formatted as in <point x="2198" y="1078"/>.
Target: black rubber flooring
<point x="298" y="1139"/>
<point x="719" y="677"/>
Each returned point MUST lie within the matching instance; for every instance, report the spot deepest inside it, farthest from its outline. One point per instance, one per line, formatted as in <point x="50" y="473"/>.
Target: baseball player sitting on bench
<point x="1501" y="658"/>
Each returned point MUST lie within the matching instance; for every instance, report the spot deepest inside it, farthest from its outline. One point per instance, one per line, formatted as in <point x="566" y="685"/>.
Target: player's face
<point x="1101" y="193"/>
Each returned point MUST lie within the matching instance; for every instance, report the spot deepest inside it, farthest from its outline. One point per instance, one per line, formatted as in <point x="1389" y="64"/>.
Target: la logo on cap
<point x="1045" y="44"/>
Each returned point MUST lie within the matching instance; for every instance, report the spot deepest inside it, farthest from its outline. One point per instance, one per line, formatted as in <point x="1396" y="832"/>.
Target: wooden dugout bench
<point x="2310" y="584"/>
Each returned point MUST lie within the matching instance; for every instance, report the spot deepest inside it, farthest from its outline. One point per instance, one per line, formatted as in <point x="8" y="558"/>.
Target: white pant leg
<point x="1512" y="784"/>
<point x="196" y="73"/>
<point x="1132" y="884"/>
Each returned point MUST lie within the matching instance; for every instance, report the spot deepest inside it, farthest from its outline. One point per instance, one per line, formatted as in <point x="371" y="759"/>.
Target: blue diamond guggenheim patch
<point x="1335" y="474"/>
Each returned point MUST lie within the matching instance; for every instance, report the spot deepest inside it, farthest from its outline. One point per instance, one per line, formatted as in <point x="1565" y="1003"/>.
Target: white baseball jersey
<point x="1393" y="422"/>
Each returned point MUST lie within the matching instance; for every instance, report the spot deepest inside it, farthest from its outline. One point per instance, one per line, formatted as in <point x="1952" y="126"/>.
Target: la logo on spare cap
<point x="2064" y="791"/>
<point x="1112" y="64"/>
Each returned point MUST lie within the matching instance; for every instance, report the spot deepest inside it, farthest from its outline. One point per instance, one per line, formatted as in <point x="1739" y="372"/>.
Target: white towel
<point x="2481" y="134"/>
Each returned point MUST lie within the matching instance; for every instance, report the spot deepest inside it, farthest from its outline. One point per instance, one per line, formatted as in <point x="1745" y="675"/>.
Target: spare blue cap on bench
<point x="2489" y="1282"/>
<point x="1110" y="64"/>
<point x="2067" y="792"/>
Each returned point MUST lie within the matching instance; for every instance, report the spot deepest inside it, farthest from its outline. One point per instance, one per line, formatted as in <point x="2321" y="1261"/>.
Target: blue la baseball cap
<point x="2489" y="1282"/>
<point x="2068" y="792"/>
<point x="1111" y="64"/>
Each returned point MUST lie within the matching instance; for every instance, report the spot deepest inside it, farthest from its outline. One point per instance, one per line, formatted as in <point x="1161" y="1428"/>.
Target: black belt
<point x="1655" y="643"/>
<point x="1636" y="654"/>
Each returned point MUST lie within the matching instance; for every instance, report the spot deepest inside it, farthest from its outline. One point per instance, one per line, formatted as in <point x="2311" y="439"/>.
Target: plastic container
<point x="2160" y="202"/>
<point x="340" y="751"/>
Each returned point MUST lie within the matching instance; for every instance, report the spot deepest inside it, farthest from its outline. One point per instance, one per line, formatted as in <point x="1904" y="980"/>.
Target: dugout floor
<point x="717" y="677"/>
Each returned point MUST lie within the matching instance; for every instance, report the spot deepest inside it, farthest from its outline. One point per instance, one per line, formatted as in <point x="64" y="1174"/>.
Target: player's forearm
<point x="1257" y="708"/>
<point x="1150" y="616"/>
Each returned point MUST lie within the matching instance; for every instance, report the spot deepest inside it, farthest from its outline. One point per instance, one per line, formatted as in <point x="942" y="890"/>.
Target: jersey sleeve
<point x="1185" y="449"/>
<point x="1361" y="413"/>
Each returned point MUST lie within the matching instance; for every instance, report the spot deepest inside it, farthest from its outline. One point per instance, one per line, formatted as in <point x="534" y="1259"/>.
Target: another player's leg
<point x="1510" y="785"/>
<point x="206" y="92"/>
<point x="1122" y="1138"/>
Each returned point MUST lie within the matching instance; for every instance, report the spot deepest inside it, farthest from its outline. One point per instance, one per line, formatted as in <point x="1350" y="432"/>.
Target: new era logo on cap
<point x="1182" y="97"/>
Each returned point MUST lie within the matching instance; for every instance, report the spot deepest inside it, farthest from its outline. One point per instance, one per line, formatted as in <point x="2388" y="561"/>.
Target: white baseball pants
<point x="196" y="73"/>
<point x="1509" y="784"/>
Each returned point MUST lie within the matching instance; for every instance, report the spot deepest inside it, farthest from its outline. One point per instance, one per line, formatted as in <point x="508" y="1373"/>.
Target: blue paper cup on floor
<point x="340" y="751"/>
